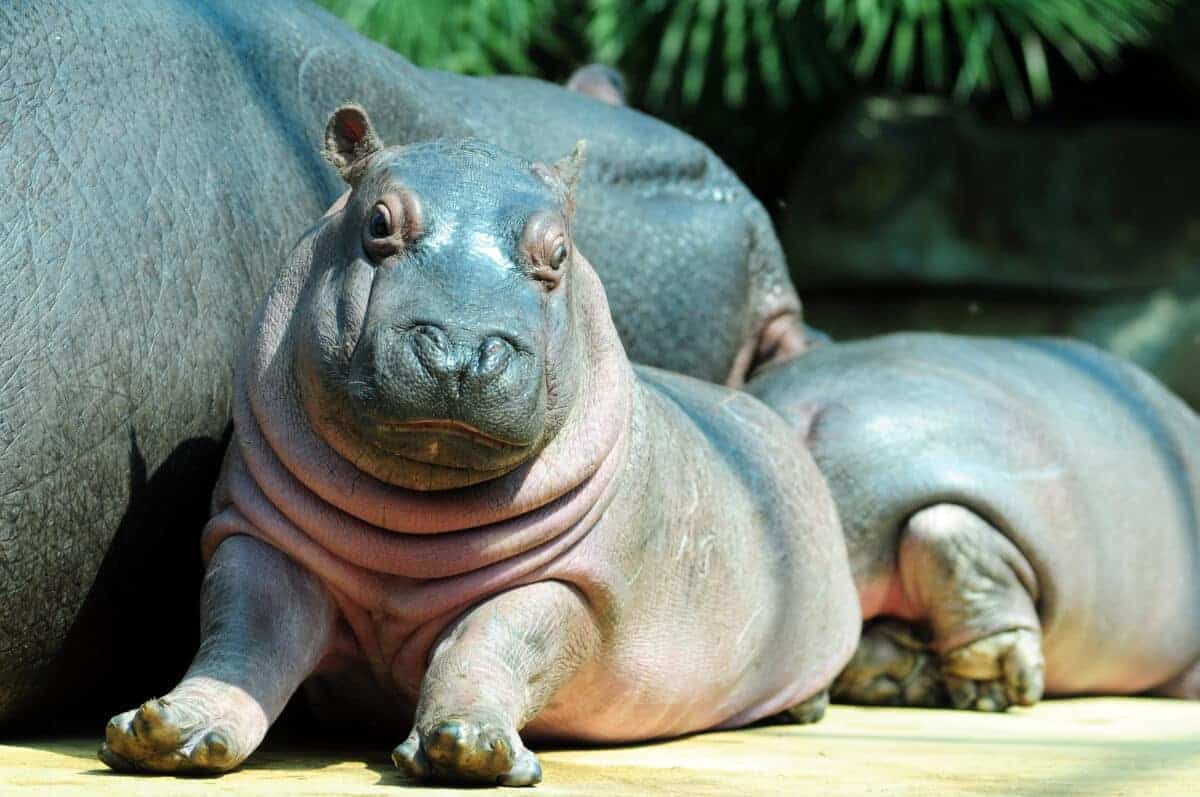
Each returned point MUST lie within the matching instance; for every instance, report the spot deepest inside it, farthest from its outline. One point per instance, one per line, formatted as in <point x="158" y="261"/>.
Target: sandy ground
<point x="1126" y="746"/>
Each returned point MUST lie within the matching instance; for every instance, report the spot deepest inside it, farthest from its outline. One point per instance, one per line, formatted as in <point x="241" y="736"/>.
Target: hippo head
<point x="437" y="318"/>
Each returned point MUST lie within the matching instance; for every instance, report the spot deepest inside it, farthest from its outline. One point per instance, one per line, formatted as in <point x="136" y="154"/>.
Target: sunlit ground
<point x="1087" y="747"/>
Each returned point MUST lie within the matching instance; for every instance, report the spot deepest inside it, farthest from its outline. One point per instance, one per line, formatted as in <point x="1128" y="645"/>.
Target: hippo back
<point x="161" y="158"/>
<point x="1087" y="464"/>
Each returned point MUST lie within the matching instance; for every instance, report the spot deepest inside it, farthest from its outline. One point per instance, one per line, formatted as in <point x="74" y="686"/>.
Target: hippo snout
<point x="467" y="397"/>
<point x="475" y="364"/>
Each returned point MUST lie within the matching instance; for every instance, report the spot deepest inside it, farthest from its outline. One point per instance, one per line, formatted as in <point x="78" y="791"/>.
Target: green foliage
<point x="677" y="50"/>
<point x="969" y="47"/>
<point x="777" y="43"/>
<point x="991" y="43"/>
<point x="471" y="36"/>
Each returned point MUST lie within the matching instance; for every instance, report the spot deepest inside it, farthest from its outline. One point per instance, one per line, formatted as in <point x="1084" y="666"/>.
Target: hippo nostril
<point x="433" y="349"/>
<point x="432" y="337"/>
<point x="493" y="357"/>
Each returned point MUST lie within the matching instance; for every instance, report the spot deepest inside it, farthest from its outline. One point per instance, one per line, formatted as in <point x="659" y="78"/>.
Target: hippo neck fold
<point x="387" y="528"/>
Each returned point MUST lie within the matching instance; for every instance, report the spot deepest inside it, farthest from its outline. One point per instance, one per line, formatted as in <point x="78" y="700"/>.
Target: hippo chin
<point x="446" y="472"/>
<point x="1021" y="517"/>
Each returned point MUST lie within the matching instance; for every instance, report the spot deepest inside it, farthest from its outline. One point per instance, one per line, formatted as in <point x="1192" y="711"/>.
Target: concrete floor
<point x="1109" y="746"/>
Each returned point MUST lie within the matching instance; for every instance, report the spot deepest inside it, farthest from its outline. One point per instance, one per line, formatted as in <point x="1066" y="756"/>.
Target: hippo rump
<point x="159" y="161"/>
<point x="1024" y="513"/>
<point x="445" y="471"/>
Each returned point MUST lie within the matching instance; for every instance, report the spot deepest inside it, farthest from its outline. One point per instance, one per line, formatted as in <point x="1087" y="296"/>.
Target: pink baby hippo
<point x="445" y="471"/>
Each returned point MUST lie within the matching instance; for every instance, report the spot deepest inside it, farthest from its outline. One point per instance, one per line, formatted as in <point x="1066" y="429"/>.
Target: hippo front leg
<point x="493" y="671"/>
<point x="977" y="592"/>
<point x="265" y="623"/>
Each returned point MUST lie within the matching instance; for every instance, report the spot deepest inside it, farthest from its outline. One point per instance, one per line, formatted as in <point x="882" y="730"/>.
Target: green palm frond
<point x="775" y="43"/>
<point x="677" y="50"/>
<point x="470" y="36"/>
<point x="967" y="47"/>
<point x="996" y="44"/>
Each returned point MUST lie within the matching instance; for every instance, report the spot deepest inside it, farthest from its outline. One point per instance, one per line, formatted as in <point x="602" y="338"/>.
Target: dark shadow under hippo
<point x="159" y="161"/>
<point x="445" y="471"/>
<point x="1024" y="510"/>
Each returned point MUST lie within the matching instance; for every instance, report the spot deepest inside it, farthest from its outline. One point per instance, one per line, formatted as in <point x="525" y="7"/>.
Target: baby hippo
<point x="1027" y="509"/>
<point x="446" y="472"/>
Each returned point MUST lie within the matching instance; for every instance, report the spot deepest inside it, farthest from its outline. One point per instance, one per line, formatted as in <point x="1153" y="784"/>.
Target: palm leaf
<point x="971" y="47"/>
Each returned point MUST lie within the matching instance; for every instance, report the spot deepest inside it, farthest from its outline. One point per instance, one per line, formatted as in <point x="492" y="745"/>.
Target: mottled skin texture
<point x="440" y="441"/>
<point x="159" y="162"/>
<point x="1014" y="499"/>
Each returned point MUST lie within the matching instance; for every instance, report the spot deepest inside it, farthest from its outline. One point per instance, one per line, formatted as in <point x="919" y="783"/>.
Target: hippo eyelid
<point x="543" y="239"/>
<point x="401" y="212"/>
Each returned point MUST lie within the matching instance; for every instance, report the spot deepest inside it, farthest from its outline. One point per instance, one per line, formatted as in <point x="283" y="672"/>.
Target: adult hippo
<point x="445" y="470"/>
<point x="1032" y="505"/>
<point x="159" y="161"/>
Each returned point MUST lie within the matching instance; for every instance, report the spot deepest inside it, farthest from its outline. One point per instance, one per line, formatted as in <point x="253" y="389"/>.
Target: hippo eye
<point x="393" y="224"/>
<point x="381" y="222"/>
<point x="545" y="247"/>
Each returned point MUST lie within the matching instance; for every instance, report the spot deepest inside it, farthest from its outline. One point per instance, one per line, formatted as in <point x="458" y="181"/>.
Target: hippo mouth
<point x="448" y="444"/>
<point x="451" y="428"/>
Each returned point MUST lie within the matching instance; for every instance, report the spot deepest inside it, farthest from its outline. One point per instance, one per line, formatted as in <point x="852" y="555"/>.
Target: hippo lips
<point x="453" y="428"/>
<point x="448" y="444"/>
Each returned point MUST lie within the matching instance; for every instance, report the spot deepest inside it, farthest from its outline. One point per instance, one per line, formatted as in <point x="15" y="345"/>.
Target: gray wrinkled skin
<point x="1000" y="494"/>
<point x="159" y="160"/>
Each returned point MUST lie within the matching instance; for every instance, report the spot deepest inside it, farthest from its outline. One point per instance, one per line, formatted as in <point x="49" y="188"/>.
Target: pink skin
<point x="667" y="563"/>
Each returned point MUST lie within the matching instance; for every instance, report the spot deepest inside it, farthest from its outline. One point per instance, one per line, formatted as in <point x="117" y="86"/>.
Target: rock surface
<point x="914" y="215"/>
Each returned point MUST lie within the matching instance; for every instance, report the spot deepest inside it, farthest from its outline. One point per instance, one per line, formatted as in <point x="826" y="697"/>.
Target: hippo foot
<point x="179" y="733"/>
<point x="996" y="672"/>
<point x="462" y="751"/>
<point x="892" y="666"/>
<point x="809" y="711"/>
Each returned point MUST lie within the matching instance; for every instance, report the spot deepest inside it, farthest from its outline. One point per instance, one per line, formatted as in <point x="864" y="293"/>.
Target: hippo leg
<point x="265" y="623"/>
<point x="493" y="670"/>
<point x="976" y="591"/>
<point x="892" y="666"/>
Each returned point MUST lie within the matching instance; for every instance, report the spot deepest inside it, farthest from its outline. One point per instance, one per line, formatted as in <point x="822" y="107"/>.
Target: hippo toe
<point x="466" y="751"/>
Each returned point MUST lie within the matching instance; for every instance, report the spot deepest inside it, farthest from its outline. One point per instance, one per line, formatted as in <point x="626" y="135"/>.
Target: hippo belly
<point x="991" y="487"/>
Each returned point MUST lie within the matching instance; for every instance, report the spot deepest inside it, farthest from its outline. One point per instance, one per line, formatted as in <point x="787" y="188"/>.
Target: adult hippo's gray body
<point x="1015" y="498"/>
<point x="136" y="239"/>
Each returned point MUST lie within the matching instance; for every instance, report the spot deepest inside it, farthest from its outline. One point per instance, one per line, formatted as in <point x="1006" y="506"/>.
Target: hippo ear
<point x="567" y="169"/>
<point x="600" y="82"/>
<point x="349" y="141"/>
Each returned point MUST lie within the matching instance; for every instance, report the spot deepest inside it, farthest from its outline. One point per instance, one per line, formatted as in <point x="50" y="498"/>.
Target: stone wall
<point x="912" y="214"/>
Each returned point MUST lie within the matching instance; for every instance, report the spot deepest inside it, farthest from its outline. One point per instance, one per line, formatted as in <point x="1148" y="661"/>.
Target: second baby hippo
<point x="445" y="467"/>
<point x="1030" y="505"/>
